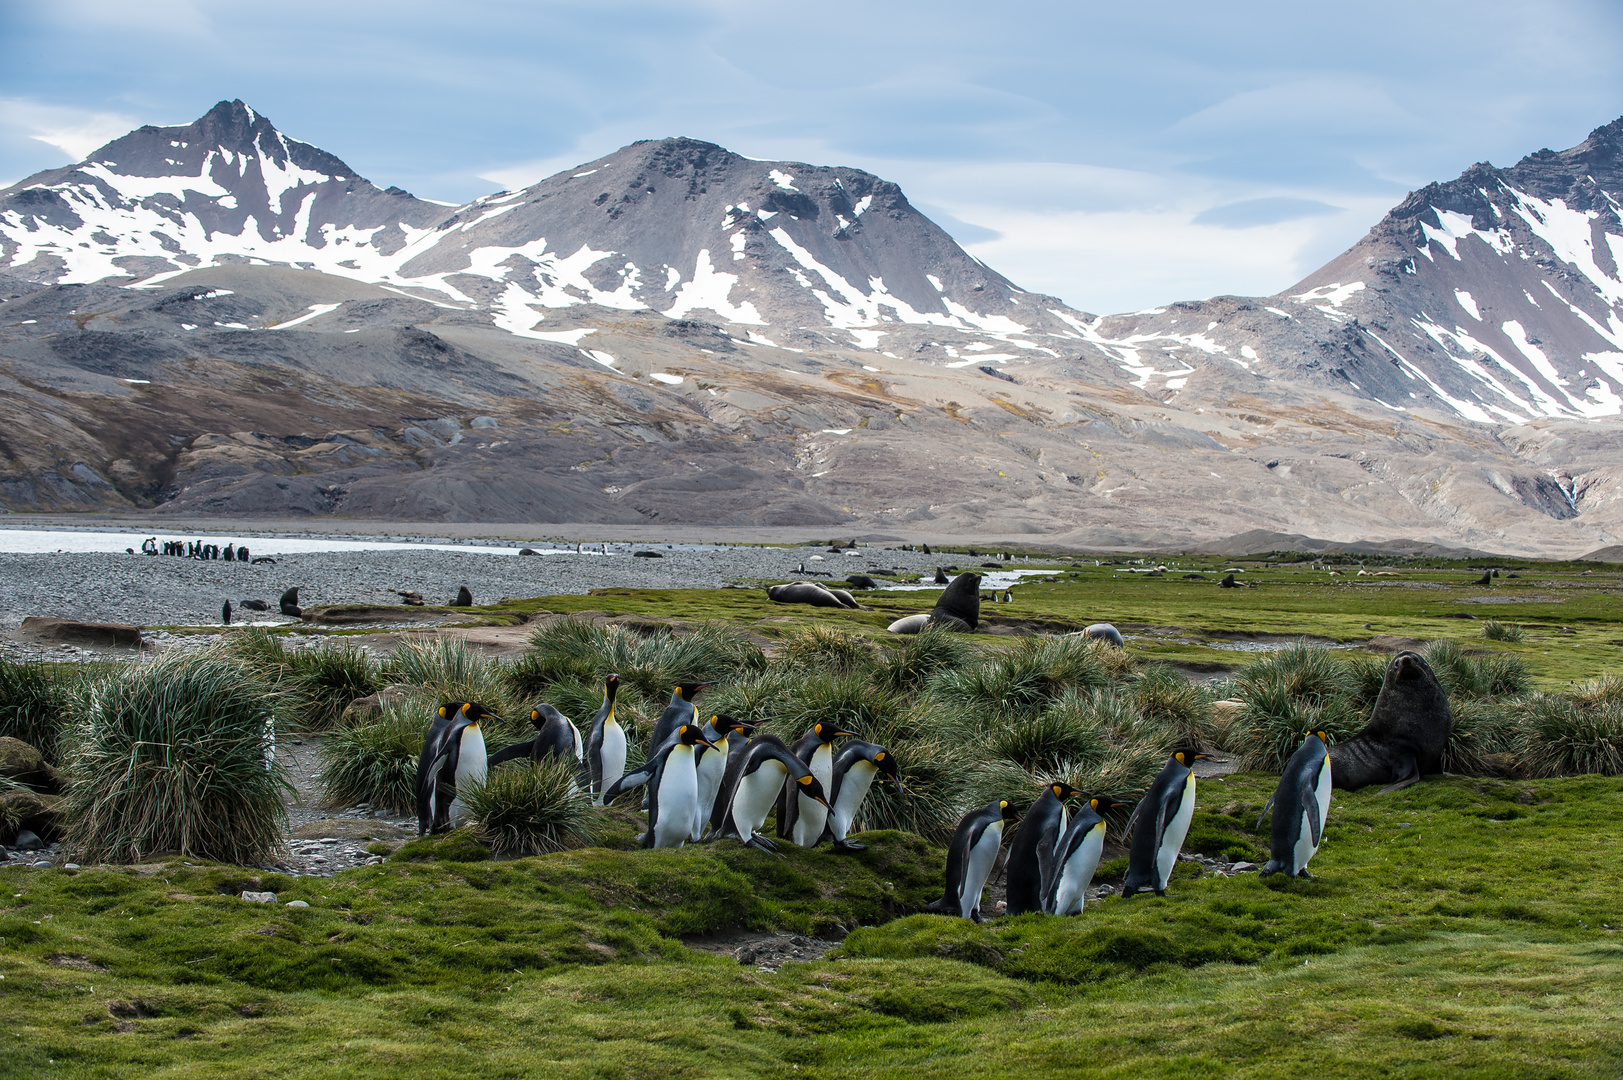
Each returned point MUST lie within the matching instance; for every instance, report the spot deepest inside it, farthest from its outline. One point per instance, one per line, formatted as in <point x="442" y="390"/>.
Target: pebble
<point x="297" y="904"/>
<point x="259" y="897"/>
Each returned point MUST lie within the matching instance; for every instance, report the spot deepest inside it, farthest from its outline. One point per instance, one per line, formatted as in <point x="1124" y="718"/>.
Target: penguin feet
<point x="1302" y="873"/>
<point x="849" y="845"/>
<point x="761" y="843"/>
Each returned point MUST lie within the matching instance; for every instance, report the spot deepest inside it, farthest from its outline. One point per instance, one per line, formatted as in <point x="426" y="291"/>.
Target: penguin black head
<point x="724" y="723"/>
<point x="1187" y="758"/>
<point x="1322" y="735"/>
<point x="687" y="690"/>
<point x="812" y="788"/>
<point x="1008" y="810"/>
<point x="1063" y="791"/>
<point x="611" y="686"/>
<point x="829" y="732"/>
<point x="541" y="714"/>
<point x="450" y="709"/>
<point x="474" y="712"/>
<point x="1103" y="804"/>
<point x="885" y="761"/>
<point x="690" y="735"/>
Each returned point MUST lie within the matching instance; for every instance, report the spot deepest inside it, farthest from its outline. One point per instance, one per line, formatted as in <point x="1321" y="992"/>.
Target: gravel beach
<point x="163" y="590"/>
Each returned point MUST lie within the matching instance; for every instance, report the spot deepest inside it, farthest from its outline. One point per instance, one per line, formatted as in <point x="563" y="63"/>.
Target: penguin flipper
<point x="1310" y="806"/>
<point x="1266" y="807"/>
<point x="508" y="753"/>
<point x="1127" y="832"/>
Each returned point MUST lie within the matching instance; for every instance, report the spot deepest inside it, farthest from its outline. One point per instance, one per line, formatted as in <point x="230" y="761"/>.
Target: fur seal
<point x="1485" y="579"/>
<point x="960" y="606"/>
<point x="1228" y="582"/>
<point x="803" y="592"/>
<point x="290" y="603"/>
<point x="912" y="624"/>
<point x="940" y="578"/>
<point x="1103" y="631"/>
<point x="253" y="605"/>
<point x="464" y="598"/>
<point x="861" y="581"/>
<point x="1406" y="735"/>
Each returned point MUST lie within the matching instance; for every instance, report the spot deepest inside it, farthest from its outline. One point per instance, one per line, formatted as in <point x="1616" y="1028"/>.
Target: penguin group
<point x="704" y="779"/>
<point x="195" y="549"/>
<point x="1053" y="856"/>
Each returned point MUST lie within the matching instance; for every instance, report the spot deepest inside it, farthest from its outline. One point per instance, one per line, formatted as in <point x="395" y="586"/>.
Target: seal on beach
<point x="940" y="578"/>
<point x="290" y="603"/>
<point x="960" y="606"/>
<point x="464" y="598"/>
<point x="1228" y="582"/>
<point x="253" y="605"/>
<point x="861" y="581"/>
<point x="803" y="592"/>
<point x="1485" y="579"/>
<point x="1406" y="735"/>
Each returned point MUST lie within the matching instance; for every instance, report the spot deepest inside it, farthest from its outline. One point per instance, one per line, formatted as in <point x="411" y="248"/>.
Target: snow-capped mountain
<point x="1496" y="297"/>
<point x="676" y="226"/>
<point x="219" y="319"/>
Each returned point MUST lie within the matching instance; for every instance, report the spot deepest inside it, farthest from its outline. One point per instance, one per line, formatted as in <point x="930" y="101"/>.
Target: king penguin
<point x="816" y="749"/>
<point x="672" y="776"/>
<point x="605" y="744"/>
<point x="723" y="733"/>
<point x="1031" y="864"/>
<point x="453" y="760"/>
<point x="1301" y="803"/>
<point x="556" y="736"/>
<point x="1162" y="820"/>
<point x="971" y="857"/>
<point x="751" y="787"/>
<point x="855" y="767"/>
<point x="680" y="711"/>
<point x="1078" y="856"/>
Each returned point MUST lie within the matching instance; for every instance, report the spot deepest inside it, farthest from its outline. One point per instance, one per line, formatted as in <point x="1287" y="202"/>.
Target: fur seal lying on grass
<point x="809" y="592"/>
<point x="1406" y="735"/>
<point x="912" y="624"/>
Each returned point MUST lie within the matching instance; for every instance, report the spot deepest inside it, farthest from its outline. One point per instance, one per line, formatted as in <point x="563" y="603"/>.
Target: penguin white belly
<point x="809" y="822"/>
<point x="678" y="799"/>
<point x="979" y="867"/>
<point x="757" y="794"/>
<point x="580" y="747"/>
<point x="853" y="789"/>
<point x="712" y="767"/>
<point x="1305" y="847"/>
<point x="613" y="754"/>
<point x="822" y="765"/>
<point x="1077" y="873"/>
<point x="1166" y="856"/>
<point x="472" y="764"/>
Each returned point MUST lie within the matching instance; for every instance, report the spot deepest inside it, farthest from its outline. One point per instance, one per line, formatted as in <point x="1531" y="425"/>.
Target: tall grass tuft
<point x="1564" y="736"/>
<point x="260" y="650"/>
<point x="376" y="762"/>
<point x="175" y="755"/>
<point x="1183" y="709"/>
<point x="533" y="807"/>
<point x="1021" y="679"/>
<point x="450" y="670"/>
<point x="1465" y="676"/>
<point x="825" y="649"/>
<point x="323" y="680"/>
<point x="1485" y="739"/>
<point x="907" y="667"/>
<point x="32" y="706"/>
<point x="1498" y="631"/>
<point x="575" y="650"/>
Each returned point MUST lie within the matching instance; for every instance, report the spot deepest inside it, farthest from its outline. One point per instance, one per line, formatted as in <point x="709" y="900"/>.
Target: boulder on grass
<point x="366" y="709"/>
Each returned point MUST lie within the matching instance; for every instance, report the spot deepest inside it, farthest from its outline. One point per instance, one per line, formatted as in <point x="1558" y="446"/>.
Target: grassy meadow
<point x="1465" y="926"/>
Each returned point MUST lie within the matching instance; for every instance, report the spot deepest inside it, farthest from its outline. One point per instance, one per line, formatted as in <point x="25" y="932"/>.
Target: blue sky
<point x="1115" y="155"/>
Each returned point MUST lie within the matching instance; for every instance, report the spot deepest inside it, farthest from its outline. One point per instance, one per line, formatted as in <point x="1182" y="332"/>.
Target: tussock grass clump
<point x="376" y="762"/>
<point x="1465" y="676"/>
<point x="1498" y="631"/>
<point x="575" y="650"/>
<point x="33" y="708"/>
<point x="531" y="808"/>
<point x="1485" y="740"/>
<point x="1311" y="674"/>
<point x="1168" y="700"/>
<point x="323" y="680"/>
<point x="826" y="649"/>
<point x="912" y="664"/>
<point x="260" y="650"/>
<point x="176" y="755"/>
<point x="1298" y="688"/>
<point x="1069" y="730"/>
<point x="935" y="772"/>
<point x="1567" y="736"/>
<point x="448" y="669"/>
<point x="1023" y="678"/>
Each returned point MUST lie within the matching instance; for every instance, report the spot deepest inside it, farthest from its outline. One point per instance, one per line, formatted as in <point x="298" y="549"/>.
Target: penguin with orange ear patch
<point x="453" y="757"/>
<point x="1162" y="821"/>
<point x="970" y="859"/>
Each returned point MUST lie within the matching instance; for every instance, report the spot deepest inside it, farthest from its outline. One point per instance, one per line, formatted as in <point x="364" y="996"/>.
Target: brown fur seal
<point x="290" y="603"/>
<point x="1406" y="734"/>
<point x="804" y="592"/>
<point x="960" y="605"/>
